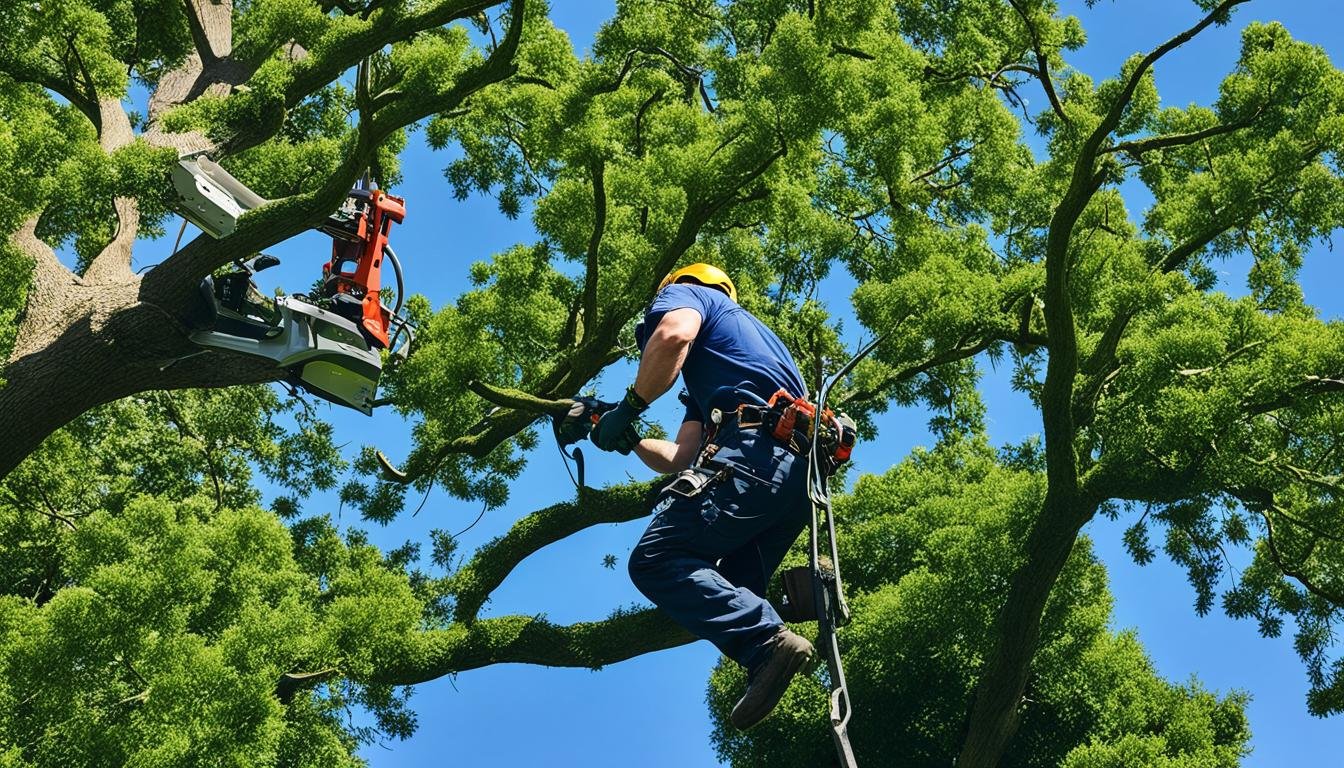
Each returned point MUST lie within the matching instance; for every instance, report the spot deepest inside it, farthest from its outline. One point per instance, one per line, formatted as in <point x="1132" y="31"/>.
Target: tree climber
<point x="723" y="526"/>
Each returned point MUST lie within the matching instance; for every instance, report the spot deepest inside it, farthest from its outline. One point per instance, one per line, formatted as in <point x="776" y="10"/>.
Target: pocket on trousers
<point x="687" y="509"/>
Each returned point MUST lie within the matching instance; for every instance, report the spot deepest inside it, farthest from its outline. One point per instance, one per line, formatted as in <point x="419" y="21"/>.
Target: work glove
<point x="615" y="431"/>
<point x="579" y="421"/>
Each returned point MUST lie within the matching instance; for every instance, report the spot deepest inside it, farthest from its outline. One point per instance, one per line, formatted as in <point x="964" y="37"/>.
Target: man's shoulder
<point x="702" y="298"/>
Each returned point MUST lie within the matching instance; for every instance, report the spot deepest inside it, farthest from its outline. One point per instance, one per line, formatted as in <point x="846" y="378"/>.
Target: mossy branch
<point x="517" y="399"/>
<point x="531" y="640"/>
<point x="494" y="561"/>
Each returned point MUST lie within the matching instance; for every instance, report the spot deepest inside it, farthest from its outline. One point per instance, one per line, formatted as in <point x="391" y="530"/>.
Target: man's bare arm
<point x="666" y="456"/>
<point x="665" y="353"/>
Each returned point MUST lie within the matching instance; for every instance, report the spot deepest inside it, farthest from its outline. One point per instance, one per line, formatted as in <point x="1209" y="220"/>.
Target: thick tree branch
<point x="836" y="48"/>
<point x="1099" y="368"/>
<point x="217" y="71"/>
<point x="532" y="640"/>
<point x="1181" y="252"/>
<point x="81" y="346"/>
<point x="211" y="24"/>
<point x="993" y="717"/>
<point x="210" y="69"/>
<point x="1102" y="358"/>
<point x="113" y="264"/>
<point x="611" y="87"/>
<point x="493" y="562"/>
<point x="518" y="400"/>
<point x="173" y="282"/>
<point x="1117" y="110"/>
<point x="49" y="274"/>
<point x="346" y="49"/>
<point x="499" y="66"/>
<point x="1137" y="147"/>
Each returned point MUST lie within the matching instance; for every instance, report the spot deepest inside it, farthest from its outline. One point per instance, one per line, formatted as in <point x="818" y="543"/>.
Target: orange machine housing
<point x="359" y="234"/>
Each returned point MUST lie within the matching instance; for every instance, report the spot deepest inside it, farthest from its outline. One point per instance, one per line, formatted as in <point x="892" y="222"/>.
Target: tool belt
<point x="794" y="423"/>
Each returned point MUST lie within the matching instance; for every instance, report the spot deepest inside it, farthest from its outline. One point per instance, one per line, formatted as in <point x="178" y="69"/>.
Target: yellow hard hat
<point x="703" y="274"/>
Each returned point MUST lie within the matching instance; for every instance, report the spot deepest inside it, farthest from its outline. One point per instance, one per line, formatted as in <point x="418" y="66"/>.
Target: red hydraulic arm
<point x="359" y="233"/>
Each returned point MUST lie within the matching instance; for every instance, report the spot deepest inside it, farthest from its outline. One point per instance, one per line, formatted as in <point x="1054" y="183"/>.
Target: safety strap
<point x="828" y="589"/>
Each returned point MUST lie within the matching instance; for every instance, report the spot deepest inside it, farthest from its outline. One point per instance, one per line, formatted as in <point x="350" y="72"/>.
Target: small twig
<point x="50" y="512"/>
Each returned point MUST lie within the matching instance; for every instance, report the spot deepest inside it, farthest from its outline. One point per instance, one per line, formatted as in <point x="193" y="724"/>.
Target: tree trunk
<point x="83" y="345"/>
<point x="994" y="716"/>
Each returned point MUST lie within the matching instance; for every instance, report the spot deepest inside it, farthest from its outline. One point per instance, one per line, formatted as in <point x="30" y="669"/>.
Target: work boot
<point x="767" y="683"/>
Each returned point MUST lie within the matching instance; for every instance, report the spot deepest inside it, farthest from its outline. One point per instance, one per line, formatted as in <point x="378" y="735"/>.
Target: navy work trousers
<point x="706" y="560"/>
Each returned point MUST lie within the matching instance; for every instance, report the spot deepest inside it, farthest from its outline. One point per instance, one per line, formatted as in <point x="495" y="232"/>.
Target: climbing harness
<point x="813" y="592"/>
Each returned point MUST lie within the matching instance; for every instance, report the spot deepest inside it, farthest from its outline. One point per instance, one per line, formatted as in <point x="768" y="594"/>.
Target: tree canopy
<point x="928" y="548"/>
<point x="789" y="141"/>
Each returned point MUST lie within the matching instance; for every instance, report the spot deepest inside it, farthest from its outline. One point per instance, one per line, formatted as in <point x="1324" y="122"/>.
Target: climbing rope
<point x="828" y="589"/>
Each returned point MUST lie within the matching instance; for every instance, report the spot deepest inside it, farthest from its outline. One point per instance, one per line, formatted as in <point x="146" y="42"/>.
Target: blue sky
<point x="650" y="711"/>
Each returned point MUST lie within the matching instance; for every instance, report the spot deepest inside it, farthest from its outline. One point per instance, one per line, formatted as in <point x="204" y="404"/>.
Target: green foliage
<point x="87" y="35"/>
<point x="167" y="645"/>
<point x="927" y="550"/>
<point x="789" y="142"/>
<point x="150" y="608"/>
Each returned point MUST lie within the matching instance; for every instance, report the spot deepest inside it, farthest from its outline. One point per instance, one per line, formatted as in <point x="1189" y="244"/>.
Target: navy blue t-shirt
<point x="732" y="348"/>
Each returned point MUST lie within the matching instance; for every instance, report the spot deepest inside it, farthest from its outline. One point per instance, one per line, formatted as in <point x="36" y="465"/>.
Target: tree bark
<point x="995" y="713"/>
<point x="90" y="344"/>
<point x="531" y="640"/>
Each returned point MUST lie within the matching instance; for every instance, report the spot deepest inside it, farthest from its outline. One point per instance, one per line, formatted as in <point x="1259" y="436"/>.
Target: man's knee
<point x="642" y="567"/>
